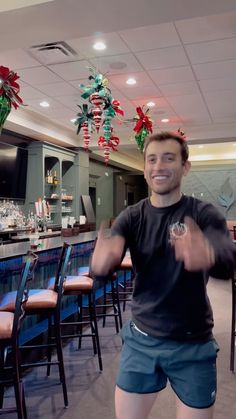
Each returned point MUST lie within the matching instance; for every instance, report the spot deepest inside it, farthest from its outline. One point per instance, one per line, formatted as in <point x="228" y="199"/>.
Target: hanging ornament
<point x="5" y="109"/>
<point x="142" y="127"/>
<point x="84" y="120"/>
<point x="9" y="90"/>
<point x="86" y="135"/>
<point x="108" y="146"/>
<point x="98" y="84"/>
<point x="97" y="108"/>
<point x="97" y="116"/>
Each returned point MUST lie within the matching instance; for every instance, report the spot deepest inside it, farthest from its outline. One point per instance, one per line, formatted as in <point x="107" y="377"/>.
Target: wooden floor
<point x="91" y="392"/>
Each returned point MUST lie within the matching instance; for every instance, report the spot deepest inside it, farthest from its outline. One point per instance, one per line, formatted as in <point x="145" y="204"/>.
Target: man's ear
<point x="187" y="167"/>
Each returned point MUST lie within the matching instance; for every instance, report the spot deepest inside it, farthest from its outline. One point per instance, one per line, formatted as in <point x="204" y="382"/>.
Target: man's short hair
<point x="163" y="136"/>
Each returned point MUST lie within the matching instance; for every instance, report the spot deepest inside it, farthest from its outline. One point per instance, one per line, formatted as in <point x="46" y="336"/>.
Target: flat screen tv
<point x="13" y="171"/>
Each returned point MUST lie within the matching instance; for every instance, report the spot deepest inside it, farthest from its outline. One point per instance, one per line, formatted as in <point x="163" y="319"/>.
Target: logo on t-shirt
<point x="177" y="231"/>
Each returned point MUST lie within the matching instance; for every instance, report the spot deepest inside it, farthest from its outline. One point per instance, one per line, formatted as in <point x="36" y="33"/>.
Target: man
<point x="175" y="242"/>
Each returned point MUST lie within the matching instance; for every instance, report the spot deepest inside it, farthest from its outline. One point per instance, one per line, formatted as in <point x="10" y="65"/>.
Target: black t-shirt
<point x="169" y="301"/>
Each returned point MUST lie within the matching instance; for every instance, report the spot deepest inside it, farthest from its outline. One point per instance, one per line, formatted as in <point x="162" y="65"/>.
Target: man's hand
<point x="193" y="248"/>
<point x="107" y="253"/>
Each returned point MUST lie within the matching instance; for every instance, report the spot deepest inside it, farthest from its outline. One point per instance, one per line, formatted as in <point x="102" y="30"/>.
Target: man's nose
<point x="159" y="164"/>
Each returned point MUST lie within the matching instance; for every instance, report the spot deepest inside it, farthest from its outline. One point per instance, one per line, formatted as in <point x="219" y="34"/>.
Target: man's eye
<point x="169" y="158"/>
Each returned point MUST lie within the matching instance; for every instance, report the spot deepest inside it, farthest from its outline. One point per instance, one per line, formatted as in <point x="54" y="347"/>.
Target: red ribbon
<point x="112" y="143"/>
<point x="143" y="121"/>
<point x="116" y="106"/>
<point x="9" y="87"/>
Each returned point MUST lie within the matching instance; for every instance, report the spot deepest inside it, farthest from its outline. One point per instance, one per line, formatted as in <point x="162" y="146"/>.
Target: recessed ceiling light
<point x="99" y="46"/>
<point x="44" y="104"/>
<point x="73" y="120"/>
<point x="131" y="81"/>
<point x="151" y="104"/>
<point x="165" y="120"/>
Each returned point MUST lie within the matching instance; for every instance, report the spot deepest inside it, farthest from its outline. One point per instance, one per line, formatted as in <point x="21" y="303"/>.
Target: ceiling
<point x="182" y="54"/>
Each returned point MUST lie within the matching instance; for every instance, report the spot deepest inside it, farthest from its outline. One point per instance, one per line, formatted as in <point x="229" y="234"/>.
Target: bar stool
<point x="110" y="305"/>
<point x="233" y="326"/>
<point x="126" y="285"/>
<point x="47" y="302"/>
<point x="83" y="288"/>
<point x="10" y="323"/>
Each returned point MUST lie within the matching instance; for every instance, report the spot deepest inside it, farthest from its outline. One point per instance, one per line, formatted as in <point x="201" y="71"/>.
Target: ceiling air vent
<point x="53" y="52"/>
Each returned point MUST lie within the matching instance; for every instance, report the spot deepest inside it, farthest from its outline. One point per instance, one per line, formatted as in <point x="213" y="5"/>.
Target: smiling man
<point x="175" y="242"/>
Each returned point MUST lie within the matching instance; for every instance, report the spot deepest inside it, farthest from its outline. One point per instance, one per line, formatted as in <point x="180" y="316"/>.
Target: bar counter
<point x="13" y="250"/>
<point x="12" y="258"/>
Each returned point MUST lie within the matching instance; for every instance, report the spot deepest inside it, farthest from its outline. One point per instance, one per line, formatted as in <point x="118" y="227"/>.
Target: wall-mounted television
<point x="13" y="171"/>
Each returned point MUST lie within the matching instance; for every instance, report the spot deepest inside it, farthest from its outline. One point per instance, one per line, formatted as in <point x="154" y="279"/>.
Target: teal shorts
<point x="148" y="362"/>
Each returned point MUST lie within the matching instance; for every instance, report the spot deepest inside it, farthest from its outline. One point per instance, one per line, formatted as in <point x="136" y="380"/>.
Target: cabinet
<point x="51" y="175"/>
<point x="67" y="188"/>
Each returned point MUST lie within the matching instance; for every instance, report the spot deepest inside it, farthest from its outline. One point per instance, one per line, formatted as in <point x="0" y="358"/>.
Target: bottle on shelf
<point x="47" y="177"/>
<point x="55" y="179"/>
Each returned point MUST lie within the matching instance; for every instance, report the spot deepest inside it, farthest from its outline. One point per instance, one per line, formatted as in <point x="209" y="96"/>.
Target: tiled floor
<point x="91" y="393"/>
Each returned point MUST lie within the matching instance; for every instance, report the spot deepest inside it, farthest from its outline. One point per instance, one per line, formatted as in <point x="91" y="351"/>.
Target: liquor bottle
<point x="55" y="180"/>
<point x="50" y="177"/>
<point x="47" y="177"/>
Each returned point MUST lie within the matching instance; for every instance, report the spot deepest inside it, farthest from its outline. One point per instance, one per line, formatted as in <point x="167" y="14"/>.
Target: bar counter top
<point x="11" y="250"/>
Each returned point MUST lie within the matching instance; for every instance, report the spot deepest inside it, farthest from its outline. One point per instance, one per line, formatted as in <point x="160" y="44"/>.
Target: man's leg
<point x="186" y="412"/>
<point x="134" y="405"/>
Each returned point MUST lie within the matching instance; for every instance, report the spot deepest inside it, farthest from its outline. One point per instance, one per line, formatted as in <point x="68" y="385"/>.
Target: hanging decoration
<point x="84" y="120"/>
<point x="111" y="109"/>
<point x="143" y="126"/>
<point x="9" y="90"/>
<point x="102" y="109"/>
<point x="108" y="146"/>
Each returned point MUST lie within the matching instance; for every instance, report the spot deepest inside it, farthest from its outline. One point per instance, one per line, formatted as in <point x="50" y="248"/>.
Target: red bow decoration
<point x="9" y="87"/>
<point x="112" y="143"/>
<point x="116" y="106"/>
<point x="143" y="121"/>
<point x="109" y="145"/>
<point x="181" y="134"/>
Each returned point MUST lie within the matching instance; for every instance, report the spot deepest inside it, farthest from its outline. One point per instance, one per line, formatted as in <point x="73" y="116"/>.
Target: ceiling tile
<point x="38" y="75"/>
<point x="218" y="84"/>
<point x="160" y="103"/>
<point x="222" y="103"/>
<point x="17" y="59"/>
<point x="28" y="92"/>
<point x="163" y="58"/>
<point x="190" y="106"/>
<point x="216" y="69"/>
<point x="57" y="89"/>
<point x="119" y="80"/>
<point x="117" y="64"/>
<point x="71" y="101"/>
<point x="207" y="28"/>
<point x="172" y="75"/>
<point x="151" y="37"/>
<point x="141" y="92"/>
<point x="224" y="49"/>
<point x="175" y="89"/>
<point x="113" y="41"/>
<point x="72" y="70"/>
<point x="35" y="104"/>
